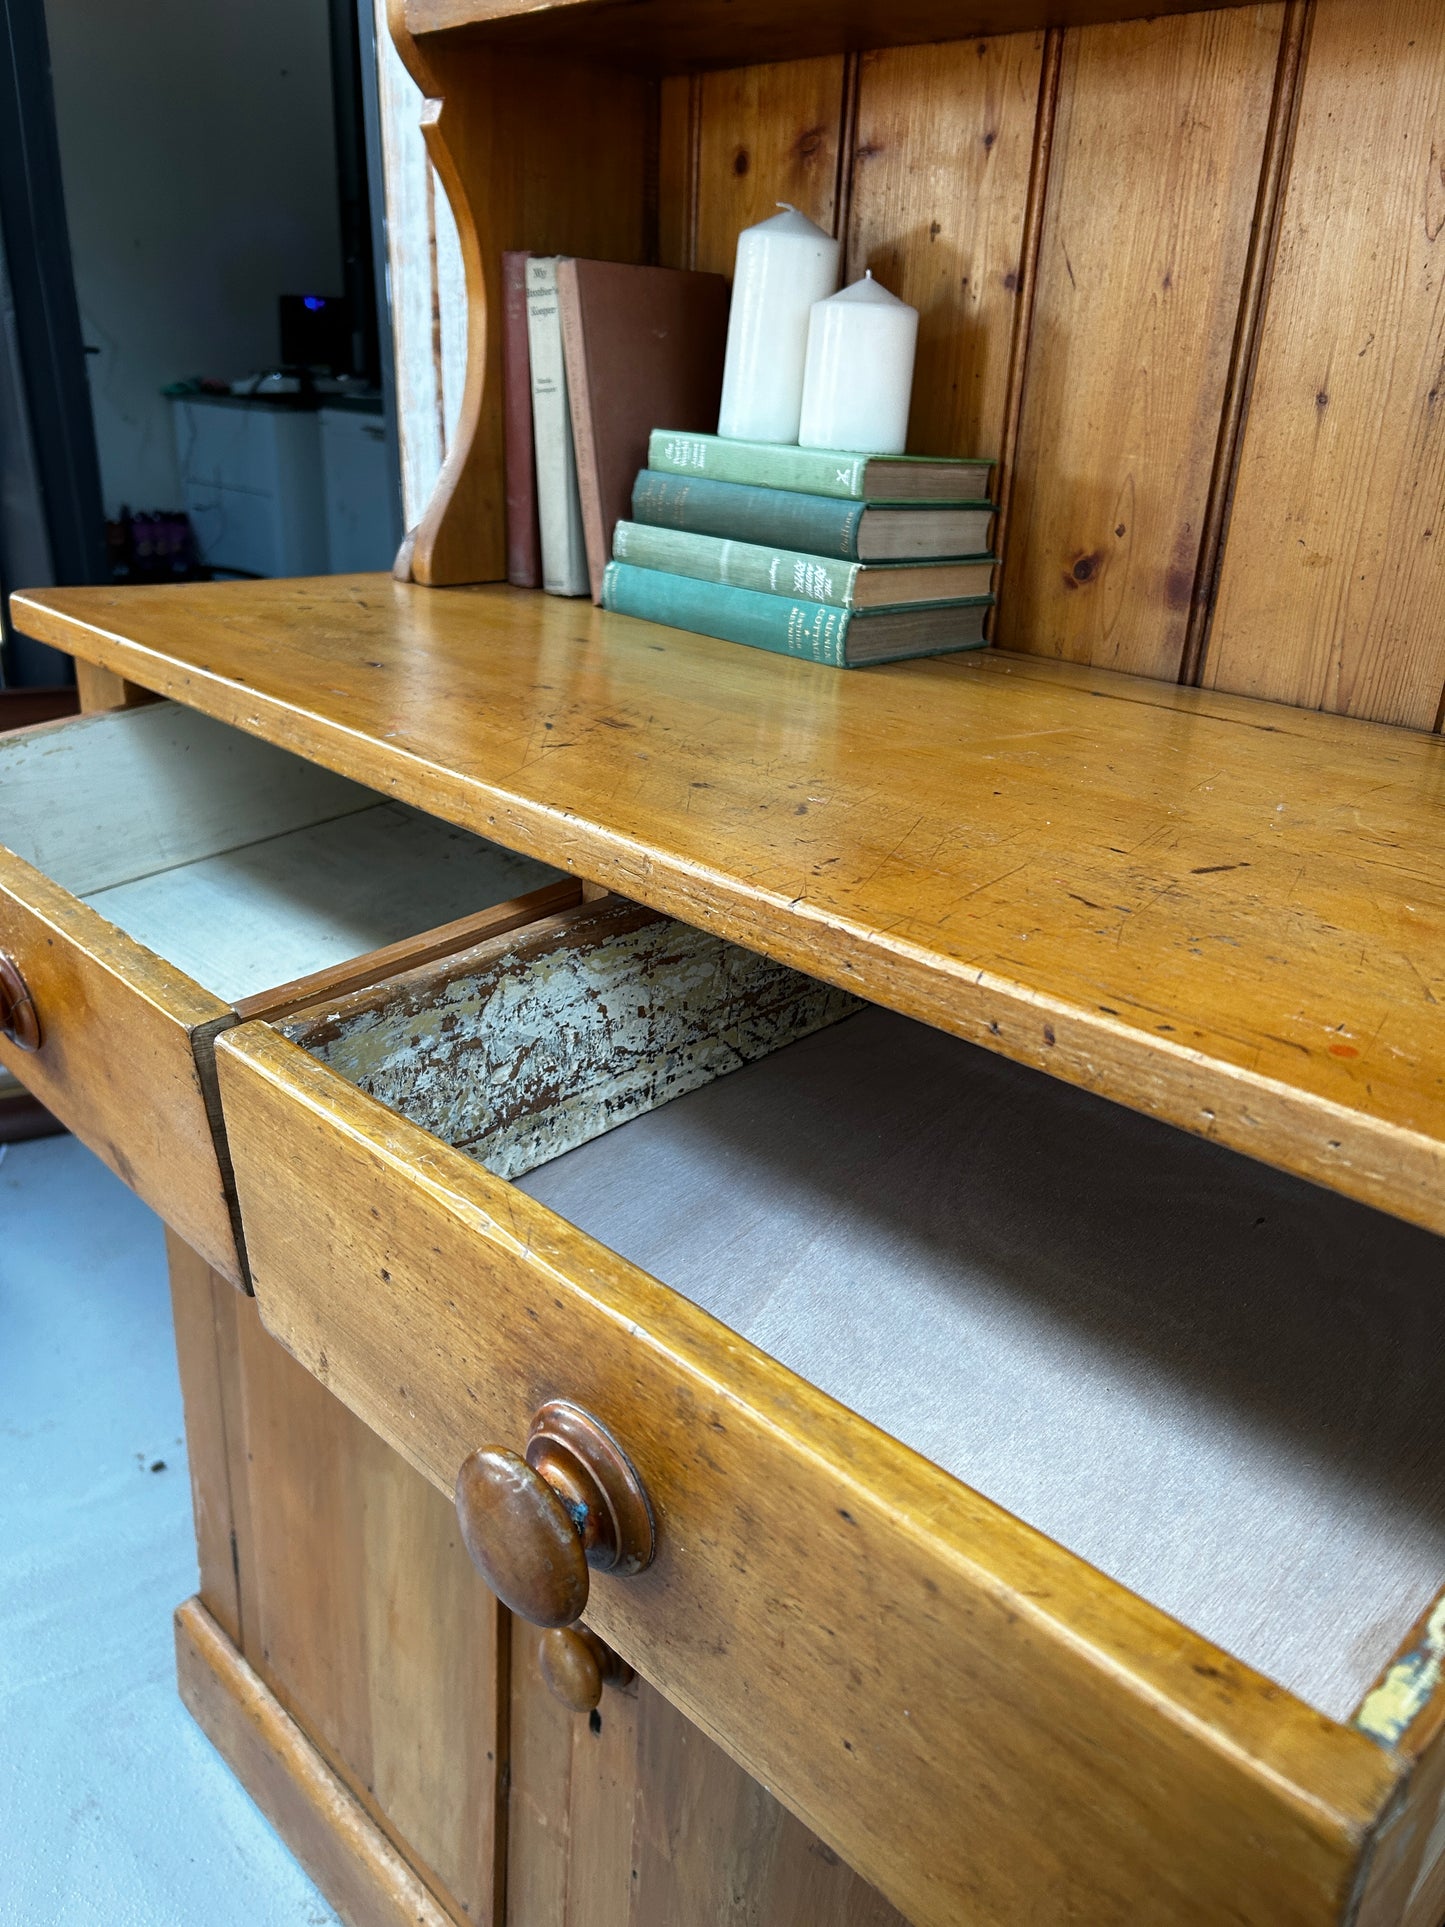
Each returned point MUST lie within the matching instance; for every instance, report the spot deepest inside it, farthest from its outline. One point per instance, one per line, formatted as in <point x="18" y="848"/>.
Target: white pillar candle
<point x="859" y="375"/>
<point x="784" y="265"/>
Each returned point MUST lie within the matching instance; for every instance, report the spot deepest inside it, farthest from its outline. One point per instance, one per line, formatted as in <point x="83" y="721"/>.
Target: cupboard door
<point x="338" y="1576"/>
<point x="361" y="1611"/>
<point x="632" y="1817"/>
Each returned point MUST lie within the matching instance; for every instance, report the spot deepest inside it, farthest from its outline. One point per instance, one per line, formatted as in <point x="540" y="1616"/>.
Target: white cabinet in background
<point x="251" y="481"/>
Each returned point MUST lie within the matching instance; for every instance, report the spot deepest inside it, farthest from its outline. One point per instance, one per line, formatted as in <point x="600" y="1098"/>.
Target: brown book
<point x="643" y="346"/>
<point x="524" y="539"/>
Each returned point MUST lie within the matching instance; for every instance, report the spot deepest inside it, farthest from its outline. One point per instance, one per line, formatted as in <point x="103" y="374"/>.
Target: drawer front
<point x="115" y="1061"/>
<point x="983" y="1726"/>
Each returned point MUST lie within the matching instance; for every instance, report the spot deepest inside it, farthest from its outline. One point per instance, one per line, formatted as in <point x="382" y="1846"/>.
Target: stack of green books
<point x="840" y="558"/>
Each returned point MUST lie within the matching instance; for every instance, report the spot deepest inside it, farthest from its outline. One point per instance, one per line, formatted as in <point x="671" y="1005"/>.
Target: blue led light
<point x="313" y="301"/>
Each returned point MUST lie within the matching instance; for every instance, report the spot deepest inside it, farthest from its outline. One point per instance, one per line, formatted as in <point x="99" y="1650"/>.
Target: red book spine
<point x="524" y="539"/>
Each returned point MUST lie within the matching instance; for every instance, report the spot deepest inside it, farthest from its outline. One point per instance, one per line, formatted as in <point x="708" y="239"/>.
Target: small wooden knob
<point x="534" y="1526"/>
<point x="19" y="1020"/>
<point x="576" y="1666"/>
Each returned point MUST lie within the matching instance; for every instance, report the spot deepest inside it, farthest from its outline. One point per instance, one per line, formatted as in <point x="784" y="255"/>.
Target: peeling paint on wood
<point x="527" y="1047"/>
<point x="1407" y="1688"/>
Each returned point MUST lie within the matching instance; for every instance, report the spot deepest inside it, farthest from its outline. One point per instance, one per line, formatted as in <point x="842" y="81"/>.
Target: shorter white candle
<point x="859" y="374"/>
<point x="783" y="265"/>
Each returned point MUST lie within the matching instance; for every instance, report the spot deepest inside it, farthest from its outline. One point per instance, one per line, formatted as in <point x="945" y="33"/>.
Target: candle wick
<point x="787" y="204"/>
<point x="867" y="274"/>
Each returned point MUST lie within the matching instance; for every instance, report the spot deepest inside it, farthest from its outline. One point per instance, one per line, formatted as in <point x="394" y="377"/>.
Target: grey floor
<point x="114" y="1809"/>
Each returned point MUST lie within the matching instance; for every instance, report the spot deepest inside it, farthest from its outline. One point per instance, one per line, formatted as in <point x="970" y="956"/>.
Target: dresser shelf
<point x="672" y="36"/>
<point x="1221" y="912"/>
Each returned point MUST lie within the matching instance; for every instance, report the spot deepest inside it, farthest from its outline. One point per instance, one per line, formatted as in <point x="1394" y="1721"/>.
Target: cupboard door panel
<point x="635" y="1818"/>
<point x="1332" y="593"/>
<point x="361" y="1611"/>
<point x="1153" y="180"/>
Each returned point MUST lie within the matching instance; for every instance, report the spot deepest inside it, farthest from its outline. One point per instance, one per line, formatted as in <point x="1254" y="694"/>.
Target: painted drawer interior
<point x="1214" y="1382"/>
<point x="240" y="864"/>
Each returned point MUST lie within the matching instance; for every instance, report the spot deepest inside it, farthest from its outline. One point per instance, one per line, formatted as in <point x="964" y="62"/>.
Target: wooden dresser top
<point x="1227" y="914"/>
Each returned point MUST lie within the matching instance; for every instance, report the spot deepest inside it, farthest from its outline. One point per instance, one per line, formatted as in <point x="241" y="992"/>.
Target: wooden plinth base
<point x="355" y="1866"/>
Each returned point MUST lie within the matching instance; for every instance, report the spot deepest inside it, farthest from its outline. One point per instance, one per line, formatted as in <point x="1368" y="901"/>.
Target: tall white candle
<point x="784" y="265"/>
<point x="859" y="376"/>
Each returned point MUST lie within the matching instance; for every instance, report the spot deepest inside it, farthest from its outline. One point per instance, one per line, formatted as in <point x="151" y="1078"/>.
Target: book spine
<point x="564" y="562"/>
<point x="579" y="413"/>
<point x="811" y="524"/>
<point x="524" y="540"/>
<point x="783" y="624"/>
<point x="741" y="565"/>
<point x="813" y="471"/>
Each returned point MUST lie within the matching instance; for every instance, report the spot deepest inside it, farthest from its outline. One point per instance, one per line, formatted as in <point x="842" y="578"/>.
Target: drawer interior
<point x="239" y="863"/>
<point x="1216" y="1383"/>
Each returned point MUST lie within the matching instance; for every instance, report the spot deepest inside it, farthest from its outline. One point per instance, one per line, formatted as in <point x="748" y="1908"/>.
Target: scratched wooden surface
<point x="1226" y="914"/>
<point x="538" y="1041"/>
<point x="1333" y="587"/>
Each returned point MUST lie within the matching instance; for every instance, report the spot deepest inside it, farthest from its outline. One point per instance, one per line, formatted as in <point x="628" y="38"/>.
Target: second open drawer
<point x="1039" y="1493"/>
<point x="161" y="874"/>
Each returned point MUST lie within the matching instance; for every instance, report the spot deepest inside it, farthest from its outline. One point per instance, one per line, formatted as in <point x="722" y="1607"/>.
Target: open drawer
<point x="162" y="872"/>
<point x="1040" y="1495"/>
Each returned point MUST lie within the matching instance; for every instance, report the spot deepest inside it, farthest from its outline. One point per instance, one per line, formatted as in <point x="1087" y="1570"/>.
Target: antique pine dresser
<point x="908" y="1203"/>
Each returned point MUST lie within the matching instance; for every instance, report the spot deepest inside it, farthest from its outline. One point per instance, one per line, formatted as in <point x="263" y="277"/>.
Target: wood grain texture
<point x="639" y="1820"/>
<point x="679" y="132"/>
<point x="1099" y="1757"/>
<point x="1226" y="914"/>
<point x="1332" y="592"/>
<point x="98" y="689"/>
<point x="940" y="182"/>
<point x="1258" y="267"/>
<point x="1030" y="243"/>
<point x="567" y="180"/>
<point x="1153" y="181"/>
<point x="351" y="1861"/>
<point x="665" y="35"/>
<point x="411" y="953"/>
<point x="767" y="134"/>
<point x="363" y="1615"/>
<point x="116" y="1064"/>
<point x="201" y="1302"/>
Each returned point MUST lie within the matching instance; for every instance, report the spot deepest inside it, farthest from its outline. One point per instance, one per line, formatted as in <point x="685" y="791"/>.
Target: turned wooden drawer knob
<point x="576" y="1666"/>
<point x="19" y="1020"/>
<point x="535" y="1525"/>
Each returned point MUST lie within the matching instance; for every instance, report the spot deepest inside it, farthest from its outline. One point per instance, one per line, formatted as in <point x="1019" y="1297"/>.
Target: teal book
<point x="820" y="471"/>
<point x="789" y="626"/>
<point x="813" y="524"/>
<point x="814" y="578"/>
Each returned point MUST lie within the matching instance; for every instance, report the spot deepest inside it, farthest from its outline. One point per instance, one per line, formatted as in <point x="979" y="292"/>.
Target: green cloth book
<point x="816" y="578"/>
<point x="790" y="626"/>
<point x="820" y="471"/>
<point x="813" y="524"/>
